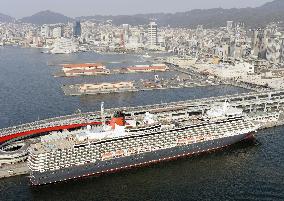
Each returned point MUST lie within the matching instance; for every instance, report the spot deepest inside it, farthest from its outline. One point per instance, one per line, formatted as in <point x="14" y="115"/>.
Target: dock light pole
<point x="102" y="113"/>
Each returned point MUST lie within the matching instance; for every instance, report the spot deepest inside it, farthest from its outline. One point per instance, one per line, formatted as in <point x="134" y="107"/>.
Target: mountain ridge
<point x="214" y="17"/>
<point x="210" y="18"/>
<point x="46" y="17"/>
<point x="6" y="18"/>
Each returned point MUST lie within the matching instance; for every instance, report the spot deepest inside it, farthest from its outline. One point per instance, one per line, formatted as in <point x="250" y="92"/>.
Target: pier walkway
<point x="14" y="170"/>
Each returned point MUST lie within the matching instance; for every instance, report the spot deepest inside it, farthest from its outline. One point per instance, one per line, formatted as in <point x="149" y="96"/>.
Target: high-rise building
<point x="199" y="29"/>
<point x="57" y="32"/>
<point x="77" y="29"/>
<point x="259" y="43"/>
<point x="152" y="34"/>
<point x="229" y="25"/>
<point x="45" y="31"/>
<point x="126" y="32"/>
<point x="126" y="28"/>
<point x="275" y="45"/>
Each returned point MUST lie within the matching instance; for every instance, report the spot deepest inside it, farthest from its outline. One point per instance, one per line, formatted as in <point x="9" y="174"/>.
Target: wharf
<point x="74" y="90"/>
<point x="111" y="72"/>
<point x="14" y="170"/>
<point x="247" y="101"/>
<point x="63" y="74"/>
<point x="248" y="86"/>
<point x="176" y="82"/>
<point x="192" y="72"/>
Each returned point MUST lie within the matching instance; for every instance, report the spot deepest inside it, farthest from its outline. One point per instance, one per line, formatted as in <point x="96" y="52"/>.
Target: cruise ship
<point x="121" y="143"/>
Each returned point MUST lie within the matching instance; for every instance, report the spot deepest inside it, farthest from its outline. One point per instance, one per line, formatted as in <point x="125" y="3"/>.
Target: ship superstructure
<point x="124" y="143"/>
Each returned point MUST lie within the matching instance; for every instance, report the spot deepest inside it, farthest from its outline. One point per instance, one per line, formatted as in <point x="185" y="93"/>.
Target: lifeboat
<point x="119" y="153"/>
<point x="107" y="156"/>
<point x="200" y="138"/>
<point x="131" y="151"/>
<point x="190" y="140"/>
<point x="182" y="141"/>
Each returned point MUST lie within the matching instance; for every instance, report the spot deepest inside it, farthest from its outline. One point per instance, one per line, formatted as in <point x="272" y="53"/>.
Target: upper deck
<point x="86" y="137"/>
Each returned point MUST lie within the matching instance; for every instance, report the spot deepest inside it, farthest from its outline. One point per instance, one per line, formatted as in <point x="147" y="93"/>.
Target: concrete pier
<point x="14" y="170"/>
<point x="247" y="101"/>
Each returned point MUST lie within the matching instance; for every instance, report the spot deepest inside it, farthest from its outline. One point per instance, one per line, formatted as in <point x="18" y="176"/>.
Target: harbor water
<point x="246" y="171"/>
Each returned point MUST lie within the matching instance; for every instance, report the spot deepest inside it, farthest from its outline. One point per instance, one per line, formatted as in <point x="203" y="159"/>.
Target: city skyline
<point x="112" y="7"/>
<point x="92" y="90"/>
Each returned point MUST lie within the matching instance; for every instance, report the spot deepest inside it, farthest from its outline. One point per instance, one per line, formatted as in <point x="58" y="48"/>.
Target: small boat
<point x="146" y="56"/>
<point x="45" y="51"/>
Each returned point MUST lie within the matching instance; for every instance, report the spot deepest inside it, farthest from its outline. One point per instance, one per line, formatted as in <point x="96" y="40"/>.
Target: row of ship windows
<point x="60" y="160"/>
<point x="70" y="157"/>
<point x="63" y="156"/>
<point x="66" y="164"/>
<point x="107" y="146"/>
<point x="94" y="156"/>
<point x="166" y="138"/>
<point x="79" y="162"/>
<point x="153" y="144"/>
<point x="220" y="131"/>
<point x="58" y="166"/>
<point x="233" y="126"/>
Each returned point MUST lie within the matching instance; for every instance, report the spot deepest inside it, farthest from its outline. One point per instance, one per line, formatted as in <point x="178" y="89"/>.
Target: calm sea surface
<point x="28" y="92"/>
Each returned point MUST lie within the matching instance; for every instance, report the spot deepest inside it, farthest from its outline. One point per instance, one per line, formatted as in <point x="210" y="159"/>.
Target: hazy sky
<point x="73" y="8"/>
